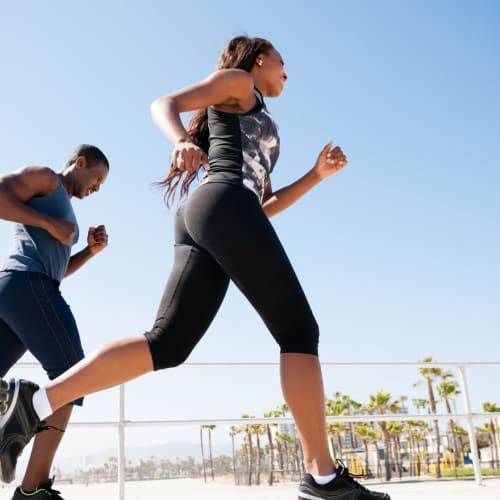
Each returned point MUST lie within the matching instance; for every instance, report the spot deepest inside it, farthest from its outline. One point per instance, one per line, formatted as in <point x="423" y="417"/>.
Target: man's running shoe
<point x="342" y="487"/>
<point x="18" y="423"/>
<point x="42" y="492"/>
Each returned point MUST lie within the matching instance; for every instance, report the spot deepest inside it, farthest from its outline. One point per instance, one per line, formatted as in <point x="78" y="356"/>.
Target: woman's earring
<point x="259" y="62"/>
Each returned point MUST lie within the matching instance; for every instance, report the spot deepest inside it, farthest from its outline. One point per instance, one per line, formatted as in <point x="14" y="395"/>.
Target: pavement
<point x="194" y="489"/>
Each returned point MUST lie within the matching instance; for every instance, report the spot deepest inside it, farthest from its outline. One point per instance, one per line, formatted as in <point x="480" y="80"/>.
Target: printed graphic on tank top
<point x="260" y="147"/>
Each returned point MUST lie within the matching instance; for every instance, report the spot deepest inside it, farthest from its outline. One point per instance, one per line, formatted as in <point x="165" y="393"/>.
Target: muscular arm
<point x="20" y="186"/>
<point x="26" y="183"/>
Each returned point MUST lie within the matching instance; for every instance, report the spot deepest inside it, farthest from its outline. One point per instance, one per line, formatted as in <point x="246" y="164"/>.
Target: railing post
<point x="470" y="428"/>
<point x="121" y="444"/>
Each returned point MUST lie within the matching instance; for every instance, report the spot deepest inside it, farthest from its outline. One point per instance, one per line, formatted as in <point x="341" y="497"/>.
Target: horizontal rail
<point x="324" y="365"/>
<point x="283" y="420"/>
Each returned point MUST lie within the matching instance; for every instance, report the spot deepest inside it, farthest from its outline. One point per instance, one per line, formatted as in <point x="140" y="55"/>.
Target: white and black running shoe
<point x="18" y="423"/>
<point x="342" y="487"/>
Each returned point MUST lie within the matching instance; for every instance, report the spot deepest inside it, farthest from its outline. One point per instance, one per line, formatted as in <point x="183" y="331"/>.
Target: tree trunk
<point x="210" y="453"/>
<point x="257" y="458"/>
<point x="234" y="459"/>
<point x="203" y="455"/>
<point x="249" y="457"/>
<point x="271" y="455"/>
<point x="432" y="402"/>
<point x="438" y="449"/>
<point x="280" y="457"/>
<point x="367" y="460"/>
<point x="387" y="446"/>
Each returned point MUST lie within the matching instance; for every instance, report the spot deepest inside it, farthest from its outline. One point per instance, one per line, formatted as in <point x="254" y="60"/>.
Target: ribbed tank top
<point x="34" y="249"/>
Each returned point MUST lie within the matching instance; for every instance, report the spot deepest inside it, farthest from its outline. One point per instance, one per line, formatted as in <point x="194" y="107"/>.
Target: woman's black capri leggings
<point x="223" y="234"/>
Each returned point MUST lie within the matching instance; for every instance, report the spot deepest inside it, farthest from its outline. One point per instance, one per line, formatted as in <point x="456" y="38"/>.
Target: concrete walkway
<point x="193" y="489"/>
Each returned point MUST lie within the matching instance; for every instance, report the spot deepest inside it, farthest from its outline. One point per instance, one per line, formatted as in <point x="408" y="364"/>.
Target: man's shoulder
<point x="31" y="181"/>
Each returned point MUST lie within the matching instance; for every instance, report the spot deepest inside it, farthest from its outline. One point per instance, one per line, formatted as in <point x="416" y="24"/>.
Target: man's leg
<point x="44" y="449"/>
<point x="43" y="322"/>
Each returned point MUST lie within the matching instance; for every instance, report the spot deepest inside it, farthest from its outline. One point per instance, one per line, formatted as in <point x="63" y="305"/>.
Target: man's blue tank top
<point x="34" y="249"/>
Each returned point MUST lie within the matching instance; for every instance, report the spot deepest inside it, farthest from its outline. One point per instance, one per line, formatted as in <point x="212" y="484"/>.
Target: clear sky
<point x="398" y="253"/>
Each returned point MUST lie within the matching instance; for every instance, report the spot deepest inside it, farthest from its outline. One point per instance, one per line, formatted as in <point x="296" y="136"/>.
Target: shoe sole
<point x="12" y="398"/>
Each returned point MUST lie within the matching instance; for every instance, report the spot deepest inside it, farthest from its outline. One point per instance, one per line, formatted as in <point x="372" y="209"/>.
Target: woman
<point x="223" y="233"/>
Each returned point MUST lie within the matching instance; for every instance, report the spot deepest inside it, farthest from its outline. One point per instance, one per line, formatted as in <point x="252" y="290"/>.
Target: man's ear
<point x="81" y="162"/>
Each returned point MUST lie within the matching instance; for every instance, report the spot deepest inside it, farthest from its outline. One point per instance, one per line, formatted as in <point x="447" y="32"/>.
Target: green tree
<point x="271" y="414"/>
<point x="367" y="434"/>
<point x="448" y="390"/>
<point x="248" y="434"/>
<point x="493" y="408"/>
<point x="431" y="375"/>
<point x="381" y="403"/>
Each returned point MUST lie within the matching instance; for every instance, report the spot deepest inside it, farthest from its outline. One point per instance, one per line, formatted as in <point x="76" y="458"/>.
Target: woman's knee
<point x="165" y="354"/>
<point x="301" y="337"/>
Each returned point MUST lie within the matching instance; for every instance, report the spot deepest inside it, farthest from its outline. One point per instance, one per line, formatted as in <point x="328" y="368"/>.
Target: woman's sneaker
<point x="18" y="423"/>
<point x="42" y="492"/>
<point x="342" y="487"/>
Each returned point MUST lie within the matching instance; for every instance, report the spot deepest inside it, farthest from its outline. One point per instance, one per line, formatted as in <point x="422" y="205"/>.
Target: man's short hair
<point x="92" y="154"/>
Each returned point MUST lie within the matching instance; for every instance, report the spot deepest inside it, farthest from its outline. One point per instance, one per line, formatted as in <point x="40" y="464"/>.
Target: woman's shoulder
<point x="234" y="78"/>
<point x="236" y="90"/>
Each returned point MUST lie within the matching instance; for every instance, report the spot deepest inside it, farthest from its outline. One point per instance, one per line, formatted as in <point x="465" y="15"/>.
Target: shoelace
<point x="344" y="472"/>
<point x="52" y="491"/>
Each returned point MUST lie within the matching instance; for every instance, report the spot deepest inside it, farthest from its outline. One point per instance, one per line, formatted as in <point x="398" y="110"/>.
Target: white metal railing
<point x="467" y="415"/>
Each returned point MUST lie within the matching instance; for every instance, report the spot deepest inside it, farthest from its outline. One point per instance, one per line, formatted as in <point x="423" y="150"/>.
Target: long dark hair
<point x="241" y="53"/>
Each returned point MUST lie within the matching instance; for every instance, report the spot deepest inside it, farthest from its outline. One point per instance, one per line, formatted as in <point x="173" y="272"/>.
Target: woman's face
<point x="269" y="73"/>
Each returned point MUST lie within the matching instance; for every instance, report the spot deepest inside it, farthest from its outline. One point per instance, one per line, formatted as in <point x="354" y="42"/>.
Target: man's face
<point x="88" y="180"/>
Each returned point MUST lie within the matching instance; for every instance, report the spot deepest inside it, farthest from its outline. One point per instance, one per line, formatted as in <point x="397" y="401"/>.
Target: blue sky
<point x="398" y="253"/>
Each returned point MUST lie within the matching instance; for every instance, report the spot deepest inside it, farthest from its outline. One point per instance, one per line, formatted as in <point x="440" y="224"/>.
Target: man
<point x="33" y="314"/>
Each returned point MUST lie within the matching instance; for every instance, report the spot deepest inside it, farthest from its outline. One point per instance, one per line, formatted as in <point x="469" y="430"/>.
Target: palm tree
<point x="366" y="433"/>
<point x="448" y="389"/>
<point x="395" y="429"/>
<point x="338" y="406"/>
<point x="271" y="414"/>
<point x="462" y="439"/>
<point x="493" y="408"/>
<point x="248" y="431"/>
<point x="210" y="428"/>
<point x="419" y="404"/>
<point x="258" y="430"/>
<point x="203" y="455"/>
<point x="232" y="432"/>
<point x="430" y="375"/>
<point x="381" y="404"/>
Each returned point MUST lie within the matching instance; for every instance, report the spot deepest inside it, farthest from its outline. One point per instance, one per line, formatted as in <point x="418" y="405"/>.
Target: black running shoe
<point x="342" y="487"/>
<point x="18" y="423"/>
<point x="42" y="492"/>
